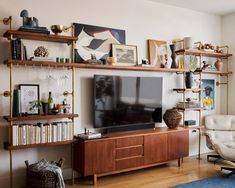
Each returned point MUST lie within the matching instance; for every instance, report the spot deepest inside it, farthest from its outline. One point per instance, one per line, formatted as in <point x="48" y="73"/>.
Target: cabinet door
<point x="155" y="148"/>
<point x="178" y="144"/>
<point x="99" y="156"/>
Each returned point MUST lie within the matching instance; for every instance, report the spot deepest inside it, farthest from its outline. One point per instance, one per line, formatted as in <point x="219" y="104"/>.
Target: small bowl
<point x="57" y="29"/>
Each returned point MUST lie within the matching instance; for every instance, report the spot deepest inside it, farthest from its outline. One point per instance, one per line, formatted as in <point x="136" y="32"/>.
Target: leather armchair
<point x="220" y="132"/>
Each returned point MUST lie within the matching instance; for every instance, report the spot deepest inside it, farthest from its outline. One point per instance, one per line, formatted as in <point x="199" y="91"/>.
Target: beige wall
<point x="229" y="39"/>
<point x="141" y="19"/>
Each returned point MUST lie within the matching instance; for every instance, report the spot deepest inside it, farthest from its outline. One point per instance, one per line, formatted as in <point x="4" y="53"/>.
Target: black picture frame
<point x="29" y="98"/>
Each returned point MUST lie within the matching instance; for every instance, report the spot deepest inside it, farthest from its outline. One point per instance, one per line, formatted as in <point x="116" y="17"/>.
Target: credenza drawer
<point x="129" y="151"/>
<point x="129" y="162"/>
<point x="131" y="141"/>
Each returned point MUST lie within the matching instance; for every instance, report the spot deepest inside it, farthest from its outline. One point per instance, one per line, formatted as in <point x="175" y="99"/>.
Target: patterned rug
<point x="219" y="181"/>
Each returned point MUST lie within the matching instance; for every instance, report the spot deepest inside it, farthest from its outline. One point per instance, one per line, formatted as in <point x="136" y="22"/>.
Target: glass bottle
<point x="50" y="102"/>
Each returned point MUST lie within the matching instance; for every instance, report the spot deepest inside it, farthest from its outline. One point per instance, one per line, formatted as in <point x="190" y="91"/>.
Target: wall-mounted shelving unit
<point x="184" y="90"/>
<point x="70" y="40"/>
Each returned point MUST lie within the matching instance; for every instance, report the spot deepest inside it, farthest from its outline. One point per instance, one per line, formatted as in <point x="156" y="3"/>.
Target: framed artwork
<point x="96" y="41"/>
<point x="29" y="97"/>
<point x="208" y="94"/>
<point x="157" y="52"/>
<point x="125" y="54"/>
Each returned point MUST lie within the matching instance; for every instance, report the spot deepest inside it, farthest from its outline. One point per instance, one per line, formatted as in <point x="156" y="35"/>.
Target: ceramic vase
<point x="188" y="80"/>
<point x="219" y="65"/>
<point x="173" y="56"/>
<point x="172" y="118"/>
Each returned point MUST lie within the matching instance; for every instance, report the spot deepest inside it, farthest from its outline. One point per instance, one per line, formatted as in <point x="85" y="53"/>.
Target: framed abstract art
<point x="96" y="41"/>
<point x="157" y="52"/>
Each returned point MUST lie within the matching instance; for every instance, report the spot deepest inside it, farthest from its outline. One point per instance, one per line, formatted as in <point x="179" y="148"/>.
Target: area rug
<point x="212" y="182"/>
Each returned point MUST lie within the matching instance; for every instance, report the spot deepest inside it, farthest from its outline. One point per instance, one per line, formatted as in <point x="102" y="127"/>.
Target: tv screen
<point x="122" y="100"/>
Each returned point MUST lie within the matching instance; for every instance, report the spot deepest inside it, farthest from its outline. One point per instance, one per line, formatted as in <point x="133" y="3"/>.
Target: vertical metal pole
<point x="200" y="113"/>
<point x="11" y="171"/>
<point x="184" y="90"/>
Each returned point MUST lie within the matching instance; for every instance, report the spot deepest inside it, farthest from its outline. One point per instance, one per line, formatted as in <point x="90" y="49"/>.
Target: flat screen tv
<point x="127" y="101"/>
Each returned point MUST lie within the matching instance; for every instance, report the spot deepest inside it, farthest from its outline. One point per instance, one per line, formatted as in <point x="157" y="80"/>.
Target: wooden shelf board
<point x="182" y="90"/>
<point x="129" y="68"/>
<point x="10" y="147"/>
<point x="107" y="67"/>
<point x="39" y="36"/>
<point x="192" y="126"/>
<point x="203" y="53"/>
<point x="38" y="63"/>
<point x="189" y="109"/>
<point x="216" y="72"/>
<point x="39" y="117"/>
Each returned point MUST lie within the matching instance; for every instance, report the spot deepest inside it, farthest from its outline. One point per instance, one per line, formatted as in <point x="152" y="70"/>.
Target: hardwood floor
<point x="160" y="176"/>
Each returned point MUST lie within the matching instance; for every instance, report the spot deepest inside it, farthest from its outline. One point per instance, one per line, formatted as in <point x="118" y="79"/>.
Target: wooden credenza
<point x="128" y="151"/>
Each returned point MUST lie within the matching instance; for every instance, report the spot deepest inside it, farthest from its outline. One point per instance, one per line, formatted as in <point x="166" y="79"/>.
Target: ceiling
<point x="218" y="7"/>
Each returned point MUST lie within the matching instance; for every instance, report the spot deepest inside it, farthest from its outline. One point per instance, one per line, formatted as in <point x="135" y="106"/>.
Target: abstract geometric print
<point x="96" y="40"/>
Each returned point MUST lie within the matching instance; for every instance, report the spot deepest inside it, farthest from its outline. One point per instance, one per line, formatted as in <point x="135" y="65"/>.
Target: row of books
<point x="18" y="50"/>
<point x="40" y="133"/>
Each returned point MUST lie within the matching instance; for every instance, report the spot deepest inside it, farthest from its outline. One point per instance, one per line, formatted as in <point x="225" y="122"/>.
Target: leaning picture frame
<point x="29" y="98"/>
<point x="125" y="54"/>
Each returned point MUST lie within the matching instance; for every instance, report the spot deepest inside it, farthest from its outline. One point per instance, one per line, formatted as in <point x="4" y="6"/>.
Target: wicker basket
<point x="172" y="118"/>
<point x="41" y="179"/>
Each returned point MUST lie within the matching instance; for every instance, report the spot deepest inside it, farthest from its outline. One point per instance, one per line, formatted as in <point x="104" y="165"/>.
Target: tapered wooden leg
<point x="95" y="179"/>
<point x="179" y="162"/>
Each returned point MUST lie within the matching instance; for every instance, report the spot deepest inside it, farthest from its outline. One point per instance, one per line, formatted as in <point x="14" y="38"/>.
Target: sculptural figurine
<point x="31" y="23"/>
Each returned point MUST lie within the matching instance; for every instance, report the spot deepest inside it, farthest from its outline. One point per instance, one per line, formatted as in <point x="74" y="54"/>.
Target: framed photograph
<point x="208" y="94"/>
<point x="125" y="54"/>
<point x="29" y="98"/>
<point x="157" y="51"/>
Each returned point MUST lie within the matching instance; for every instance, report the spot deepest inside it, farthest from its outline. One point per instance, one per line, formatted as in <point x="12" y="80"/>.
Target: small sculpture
<point x="205" y="65"/>
<point x="93" y="60"/>
<point x="31" y="23"/>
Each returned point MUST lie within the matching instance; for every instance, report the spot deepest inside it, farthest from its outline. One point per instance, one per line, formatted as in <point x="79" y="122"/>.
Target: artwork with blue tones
<point x="95" y="40"/>
<point x="208" y="94"/>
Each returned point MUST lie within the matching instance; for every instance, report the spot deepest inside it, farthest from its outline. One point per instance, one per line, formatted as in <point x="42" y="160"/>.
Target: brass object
<point x="7" y="21"/>
<point x="60" y="28"/>
<point x="6" y="93"/>
<point x="221" y="83"/>
<point x="66" y="93"/>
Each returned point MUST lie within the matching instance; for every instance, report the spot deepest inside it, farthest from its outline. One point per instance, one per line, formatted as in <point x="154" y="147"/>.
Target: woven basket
<point x="41" y="179"/>
<point x="172" y="118"/>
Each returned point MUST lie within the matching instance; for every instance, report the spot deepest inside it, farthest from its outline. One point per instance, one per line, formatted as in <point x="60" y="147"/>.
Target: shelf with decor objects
<point x="197" y="69"/>
<point x="65" y="131"/>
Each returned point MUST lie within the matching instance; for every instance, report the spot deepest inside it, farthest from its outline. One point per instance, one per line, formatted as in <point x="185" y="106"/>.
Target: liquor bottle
<point x="50" y="102"/>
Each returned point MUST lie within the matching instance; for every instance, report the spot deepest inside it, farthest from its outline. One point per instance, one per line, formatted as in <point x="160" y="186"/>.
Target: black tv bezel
<point x="125" y="127"/>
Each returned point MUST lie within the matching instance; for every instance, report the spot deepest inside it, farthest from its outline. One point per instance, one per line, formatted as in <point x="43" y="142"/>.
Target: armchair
<point x="220" y="132"/>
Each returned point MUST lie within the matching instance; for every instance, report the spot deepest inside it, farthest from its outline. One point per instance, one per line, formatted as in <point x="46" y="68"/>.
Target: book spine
<point x="18" y="49"/>
<point x="13" y="49"/>
<point x="15" y="129"/>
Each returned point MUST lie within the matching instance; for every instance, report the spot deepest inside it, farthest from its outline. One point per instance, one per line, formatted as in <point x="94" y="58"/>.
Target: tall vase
<point x="189" y="80"/>
<point x="173" y="56"/>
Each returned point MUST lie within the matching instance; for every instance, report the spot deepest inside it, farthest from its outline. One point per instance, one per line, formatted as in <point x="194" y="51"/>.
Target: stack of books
<point x="24" y="134"/>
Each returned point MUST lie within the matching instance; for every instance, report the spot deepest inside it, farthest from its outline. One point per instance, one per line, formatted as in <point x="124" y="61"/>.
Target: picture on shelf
<point x="208" y="94"/>
<point x="125" y="54"/>
<point x="96" y="40"/>
<point x="29" y="97"/>
<point x="157" y="52"/>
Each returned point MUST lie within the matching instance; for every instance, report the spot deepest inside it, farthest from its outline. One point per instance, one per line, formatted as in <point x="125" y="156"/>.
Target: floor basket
<point x="41" y="179"/>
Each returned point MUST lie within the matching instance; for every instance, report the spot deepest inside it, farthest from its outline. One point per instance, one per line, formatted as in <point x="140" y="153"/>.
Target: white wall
<point x="228" y="37"/>
<point x="141" y="19"/>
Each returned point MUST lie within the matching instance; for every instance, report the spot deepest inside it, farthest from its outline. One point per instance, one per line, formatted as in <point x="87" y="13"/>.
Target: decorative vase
<point x="173" y="56"/>
<point x="172" y="118"/>
<point x="189" y="79"/>
<point x="219" y="64"/>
